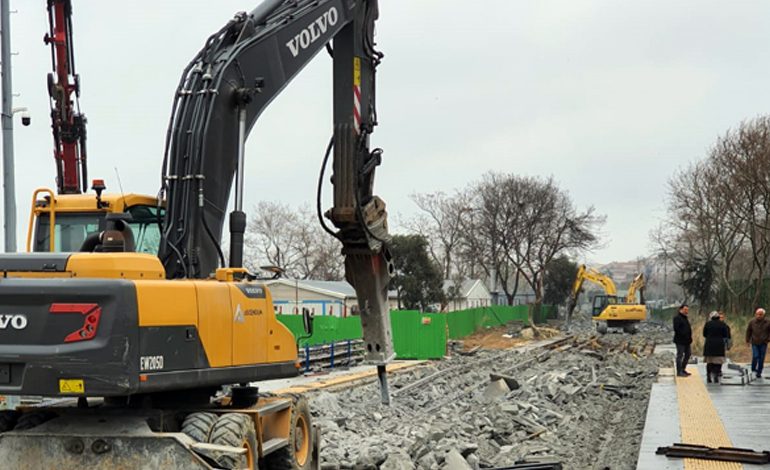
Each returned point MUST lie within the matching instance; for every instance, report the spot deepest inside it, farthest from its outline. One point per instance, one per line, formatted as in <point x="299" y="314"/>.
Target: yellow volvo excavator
<point x="609" y="310"/>
<point x="125" y="304"/>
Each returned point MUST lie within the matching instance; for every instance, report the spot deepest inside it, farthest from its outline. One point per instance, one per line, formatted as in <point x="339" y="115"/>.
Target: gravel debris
<point x="584" y="406"/>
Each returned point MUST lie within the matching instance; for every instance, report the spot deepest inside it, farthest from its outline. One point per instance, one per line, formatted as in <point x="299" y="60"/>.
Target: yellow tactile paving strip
<point x="343" y="379"/>
<point x="700" y="422"/>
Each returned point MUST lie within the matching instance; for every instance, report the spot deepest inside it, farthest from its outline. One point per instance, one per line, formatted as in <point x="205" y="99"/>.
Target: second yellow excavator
<point x="608" y="310"/>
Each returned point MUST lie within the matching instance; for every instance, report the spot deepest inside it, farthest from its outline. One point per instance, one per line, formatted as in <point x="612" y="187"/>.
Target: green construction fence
<point x="415" y="335"/>
<point x="466" y="322"/>
<point x="326" y="329"/>
<point x="418" y="335"/>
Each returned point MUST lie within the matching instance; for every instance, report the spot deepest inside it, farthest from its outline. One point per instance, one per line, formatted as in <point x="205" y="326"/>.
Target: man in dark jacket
<point x="682" y="340"/>
<point x="758" y="334"/>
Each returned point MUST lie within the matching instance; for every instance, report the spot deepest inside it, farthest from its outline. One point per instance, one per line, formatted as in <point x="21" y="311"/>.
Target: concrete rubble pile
<point x="582" y="407"/>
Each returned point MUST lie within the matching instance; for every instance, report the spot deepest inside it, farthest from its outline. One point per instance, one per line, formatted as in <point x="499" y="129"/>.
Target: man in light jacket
<point x="758" y="334"/>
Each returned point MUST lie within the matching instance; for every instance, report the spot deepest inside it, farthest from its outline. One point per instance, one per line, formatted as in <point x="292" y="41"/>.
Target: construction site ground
<point x="573" y="397"/>
<point x="576" y="398"/>
<point x="500" y="338"/>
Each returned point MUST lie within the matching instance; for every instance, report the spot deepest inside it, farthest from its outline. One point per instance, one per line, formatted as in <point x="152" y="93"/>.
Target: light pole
<point x="665" y="281"/>
<point x="9" y="189"/>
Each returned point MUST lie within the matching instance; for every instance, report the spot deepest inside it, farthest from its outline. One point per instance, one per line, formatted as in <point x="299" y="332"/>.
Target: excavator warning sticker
<point x="71" y="386"/>
<point x="357" y="94"/>
<point x="356" y="71"/>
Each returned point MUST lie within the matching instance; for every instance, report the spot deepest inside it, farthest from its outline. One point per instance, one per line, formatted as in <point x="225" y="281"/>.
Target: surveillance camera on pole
<point x="26" y="119"/>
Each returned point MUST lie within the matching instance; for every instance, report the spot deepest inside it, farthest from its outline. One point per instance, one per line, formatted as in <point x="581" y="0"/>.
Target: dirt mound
<point x="505" y="337"/>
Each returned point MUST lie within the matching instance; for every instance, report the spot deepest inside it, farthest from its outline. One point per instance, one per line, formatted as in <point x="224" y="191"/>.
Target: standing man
<point x="729" y="340"/>
<point x="682" y="340"/>
<point x="757" y="334"/>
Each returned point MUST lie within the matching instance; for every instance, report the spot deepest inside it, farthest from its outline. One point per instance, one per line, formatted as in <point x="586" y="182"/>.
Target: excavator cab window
<point x="72" y="229"/>
<point x="601" y="302"/>
<point x="145" y="223"/>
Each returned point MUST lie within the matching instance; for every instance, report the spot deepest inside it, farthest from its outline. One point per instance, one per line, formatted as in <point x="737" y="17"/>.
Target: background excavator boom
<point x="637" y="285"/>
<point x="67" y="122"/>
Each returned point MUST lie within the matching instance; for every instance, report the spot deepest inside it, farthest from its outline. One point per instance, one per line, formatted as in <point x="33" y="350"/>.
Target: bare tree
<point x="742" y="156"/>
<point x="291" y="239"/>
<point x="549" y="225"/>
<point x="485" y="229"/>
<point x="516" y="226"/>
<point x="440" y="222"/>
<point x="719" y="212"/>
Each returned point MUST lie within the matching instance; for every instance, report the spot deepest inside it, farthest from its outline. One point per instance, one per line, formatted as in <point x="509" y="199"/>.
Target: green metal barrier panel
<point x="466" y="322"/>
<point x="326" y="329"/>
<point x="417" y="335"/>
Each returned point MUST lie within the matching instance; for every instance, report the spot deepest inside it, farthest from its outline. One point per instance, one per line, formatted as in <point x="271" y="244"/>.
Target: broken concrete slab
<point x="398" y="461"/>
<point x="455" y="461"/>
<point x="511" y="382"/>
<point x="496" y="390"/>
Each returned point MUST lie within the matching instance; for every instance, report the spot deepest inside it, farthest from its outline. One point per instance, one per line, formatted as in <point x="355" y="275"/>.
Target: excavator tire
<point x="32" y="419"/>
<point x="8" y="419"/>
<point x="298" y="454"/>
<point x="236" y="430"/>
<point x="198" y="425"/>
<point x="601" y="327"/>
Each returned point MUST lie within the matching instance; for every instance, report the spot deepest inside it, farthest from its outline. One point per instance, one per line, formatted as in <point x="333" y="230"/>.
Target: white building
<point x="290" y="296"/>
<point x="470" y="293"/>
<point x="338" y="298"/>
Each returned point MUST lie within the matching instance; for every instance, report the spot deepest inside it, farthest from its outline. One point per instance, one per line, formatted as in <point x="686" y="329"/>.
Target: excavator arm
<point x="220" y="96"/>
<point x="636" y="285"/>
<point x="588" y="274"/>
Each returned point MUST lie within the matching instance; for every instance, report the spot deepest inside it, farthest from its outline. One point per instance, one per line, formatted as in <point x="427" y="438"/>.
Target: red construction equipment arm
<point x="68" y="124"/>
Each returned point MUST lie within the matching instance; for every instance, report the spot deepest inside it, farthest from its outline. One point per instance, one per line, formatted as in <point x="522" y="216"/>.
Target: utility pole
<point x="9" y="190"/>
<point x="665" y="281"/>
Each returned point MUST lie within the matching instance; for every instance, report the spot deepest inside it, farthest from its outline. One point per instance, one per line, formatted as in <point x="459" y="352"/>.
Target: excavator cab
<point x="601" y="302"/>
<point x="63" y="223"/>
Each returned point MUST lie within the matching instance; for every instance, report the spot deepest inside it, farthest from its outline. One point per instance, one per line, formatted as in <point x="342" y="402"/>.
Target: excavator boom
<point x="220" y="96"/>
<point x="588" y="274"/>
<point x="637" y="285"/>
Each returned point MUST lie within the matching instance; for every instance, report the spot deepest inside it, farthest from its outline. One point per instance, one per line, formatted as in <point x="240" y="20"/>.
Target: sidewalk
<point x="689" y="410"/>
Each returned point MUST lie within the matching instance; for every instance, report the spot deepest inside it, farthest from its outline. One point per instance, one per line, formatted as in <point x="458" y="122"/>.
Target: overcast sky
<point x="608" y="97"/>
